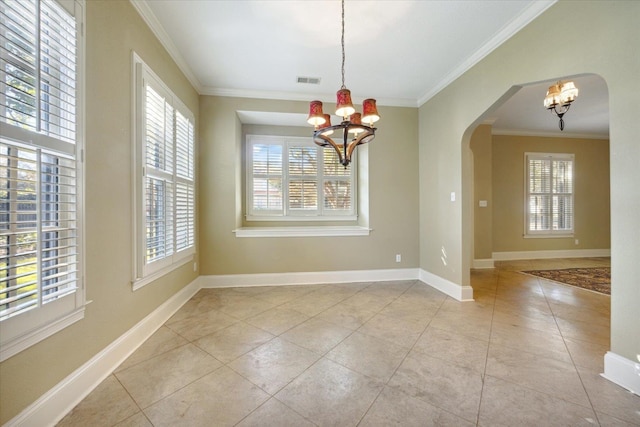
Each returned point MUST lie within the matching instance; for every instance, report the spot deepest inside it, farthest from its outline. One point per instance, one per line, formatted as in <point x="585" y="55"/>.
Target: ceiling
<point x="401" y="52"/>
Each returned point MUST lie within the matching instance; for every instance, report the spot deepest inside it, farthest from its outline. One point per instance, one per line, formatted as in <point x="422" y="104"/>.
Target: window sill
<point x="302" y="231"/>
<point x="549" y="236"/>
<point x="140" y="282"/>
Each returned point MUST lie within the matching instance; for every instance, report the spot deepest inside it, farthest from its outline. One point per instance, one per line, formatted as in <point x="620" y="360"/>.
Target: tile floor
<point x="526" y="352"/>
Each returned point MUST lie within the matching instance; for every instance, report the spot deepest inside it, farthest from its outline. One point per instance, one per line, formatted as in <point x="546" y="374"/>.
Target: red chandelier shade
<point x="370" y="111"/>
<point x="316" y="116"/>
<point x="344" y="106"/>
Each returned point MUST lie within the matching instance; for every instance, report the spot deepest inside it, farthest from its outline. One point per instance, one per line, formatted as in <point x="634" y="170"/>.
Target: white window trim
<point x="285" y="216"/>
<point x="322" y="231"/>
<point x="546" y="234"/>
<point x="16" y="334"/>
<point x="141" y="273"/>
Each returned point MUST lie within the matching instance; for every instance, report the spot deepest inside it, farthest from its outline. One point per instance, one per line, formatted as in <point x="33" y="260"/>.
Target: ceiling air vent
<point x="309" y="80"/>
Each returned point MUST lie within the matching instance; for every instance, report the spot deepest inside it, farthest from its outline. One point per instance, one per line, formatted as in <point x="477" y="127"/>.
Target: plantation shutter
<point x="39" y="58"/>
<point x="159" y="176"/>
<point x="185" y="192"/>
<point x="165" y="178"/>
<point x="303" y="178"/>
<point x="293" y="179"/>
<point x="266" y="178"/>
<point x="39" y="167"/>
<point x="550" y="193"/>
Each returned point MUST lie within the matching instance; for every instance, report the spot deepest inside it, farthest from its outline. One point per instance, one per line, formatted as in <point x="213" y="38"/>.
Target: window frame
<point x="24" y="329"/>
<point x="552" y="157"/>
<point x="286" y="213"/>
<point x="146" y="272"/>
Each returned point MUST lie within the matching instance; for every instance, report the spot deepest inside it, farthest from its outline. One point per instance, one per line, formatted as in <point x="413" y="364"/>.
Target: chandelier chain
<point x="342" y="42"/>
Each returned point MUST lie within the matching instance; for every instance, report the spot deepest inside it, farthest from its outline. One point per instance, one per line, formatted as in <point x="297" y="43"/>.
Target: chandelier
<point x="356" y="128"/>
<point x="559" y="98"/>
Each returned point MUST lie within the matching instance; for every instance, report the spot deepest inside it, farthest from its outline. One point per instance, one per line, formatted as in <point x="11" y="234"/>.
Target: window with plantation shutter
<point x="41" y="289"/>
<point x="549" y="179"/>
<point x="291" y="178"/>
<point x="164" y="178"/>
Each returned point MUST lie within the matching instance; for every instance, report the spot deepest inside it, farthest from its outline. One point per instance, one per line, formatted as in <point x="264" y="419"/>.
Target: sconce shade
<point x="316" y="116"/>
<point x="553" y="96"/>
<point x="344" y="106"/>
<point x="568" y="93"/>
<point x="370" y="111"/>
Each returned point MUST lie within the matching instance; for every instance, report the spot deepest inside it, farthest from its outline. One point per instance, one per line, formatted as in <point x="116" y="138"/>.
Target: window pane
<point x="303" y="194"/>
<point x="539" y="213"/>
<point x="184" y="147"/>
<point x="303" y="161"/>
<point x="332" y="165"/>
<point x="267" y="194"/>
<point x="159" y="131"/>
<point x="39" y="67"/>
<point x="562" y="176"/>
<point x="18" y="63"/>
<point x="539" y="176"/>
<point x="337" y="195"/>
<point x="36" y="185"/>
<point x="267" y="159"/>
<point x="159" y="219"/>
<point x="562" y="212"/>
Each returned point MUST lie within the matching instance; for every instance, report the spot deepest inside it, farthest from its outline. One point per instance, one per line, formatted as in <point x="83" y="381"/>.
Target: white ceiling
<point x="401" y="52"/>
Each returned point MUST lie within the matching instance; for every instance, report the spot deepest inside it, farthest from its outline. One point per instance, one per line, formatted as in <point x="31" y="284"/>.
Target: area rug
<point x="597" y="279"/>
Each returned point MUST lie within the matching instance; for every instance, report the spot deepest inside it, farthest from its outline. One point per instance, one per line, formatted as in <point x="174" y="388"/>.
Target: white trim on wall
<point x="483" y="263"/>
<point x="460" y="293"/>
<point x="307" y="278"/>
<point x="52" y="406"/>
<point x="622" y="371"/>
<point x="576" y="253"/>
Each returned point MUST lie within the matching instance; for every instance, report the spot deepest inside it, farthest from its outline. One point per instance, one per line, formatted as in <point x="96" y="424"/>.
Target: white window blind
<point x="40" y="175"/>
<point x="549" y="194"/>
<point x="165" y="177"/>
<point x="290" y="178"/>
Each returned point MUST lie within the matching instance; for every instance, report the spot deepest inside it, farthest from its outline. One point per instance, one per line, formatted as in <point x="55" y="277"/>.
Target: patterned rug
<point x="597" y="279"/>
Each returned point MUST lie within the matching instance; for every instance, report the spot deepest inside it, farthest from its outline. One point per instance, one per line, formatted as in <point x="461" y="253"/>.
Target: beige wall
<point x="603" y="38"/>
<point x="113" y="30"/>
<point x="392" y="199"/>
<point x="591" y="197"/>
<point x="482" y="190"/>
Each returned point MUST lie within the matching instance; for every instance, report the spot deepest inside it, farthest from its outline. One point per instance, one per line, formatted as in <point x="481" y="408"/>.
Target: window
<point x="549" y="194"/>
<point x="165" y="180"/>
<point x="41" y="289"/>
<point x="291" y="178"/>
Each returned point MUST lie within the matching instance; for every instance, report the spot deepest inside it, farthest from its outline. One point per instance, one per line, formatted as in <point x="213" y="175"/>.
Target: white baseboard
<point x="52" y="406"/>
<point x="307" y="278"/>
<point x="622" y="371"/>
<point x="483" y="263"/>
<point x="461" y="293"/>
<point x="569" y="253"/>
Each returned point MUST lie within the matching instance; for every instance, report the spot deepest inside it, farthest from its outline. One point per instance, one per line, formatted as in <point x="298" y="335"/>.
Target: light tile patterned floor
<point x="525" y="352"/>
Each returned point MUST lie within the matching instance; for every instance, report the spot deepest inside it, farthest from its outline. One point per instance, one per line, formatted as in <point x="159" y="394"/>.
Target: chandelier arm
<point x="328" y="141"/>
<point x="359" y="140"/>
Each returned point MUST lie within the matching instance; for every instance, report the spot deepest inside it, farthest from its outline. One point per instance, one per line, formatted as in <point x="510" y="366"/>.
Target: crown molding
<point x="528" y="15"/>
<point x="548" y="134"/>
<point x="299" y="96"/>
<point x="143" y="9"/>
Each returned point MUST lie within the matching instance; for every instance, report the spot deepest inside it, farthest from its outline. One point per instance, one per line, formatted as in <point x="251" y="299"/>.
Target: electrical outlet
<point x="398" y="258"/>
<point x="577" y="242"/>
<point x="195" y="266"/>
